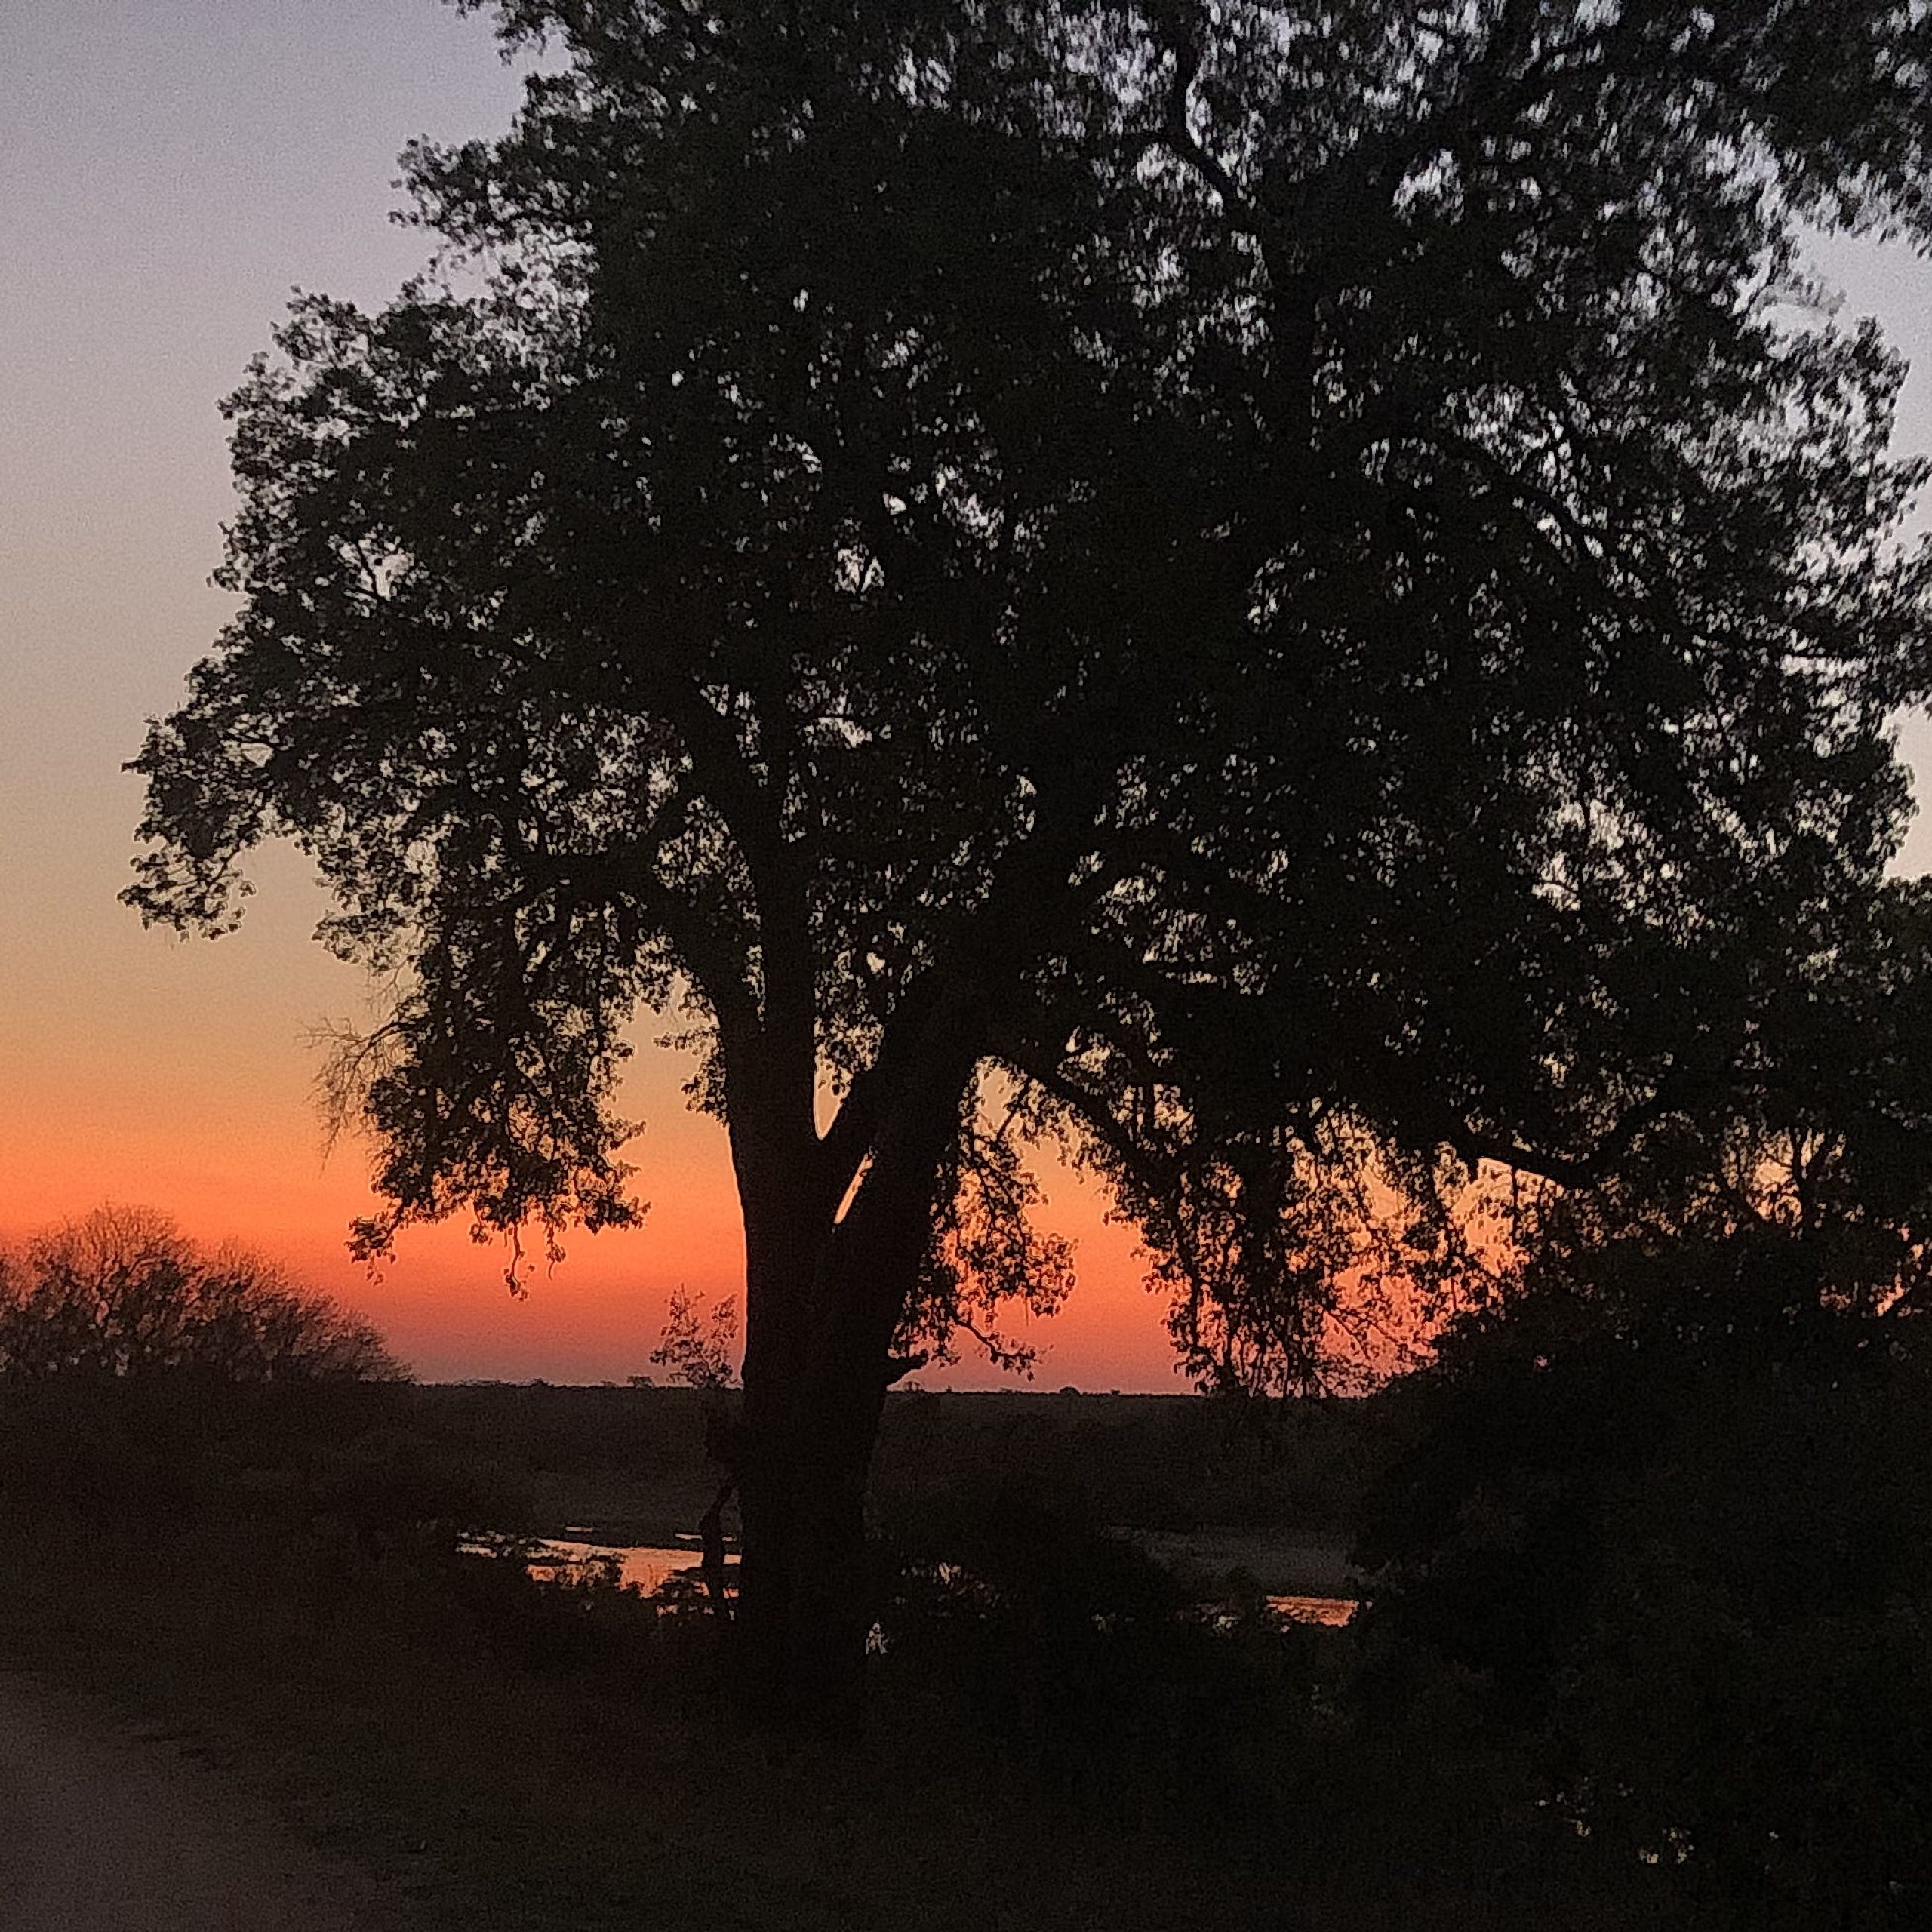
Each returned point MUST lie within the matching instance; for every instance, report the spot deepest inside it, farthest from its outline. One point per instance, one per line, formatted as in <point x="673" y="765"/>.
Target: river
<point x="648" y="1567"/>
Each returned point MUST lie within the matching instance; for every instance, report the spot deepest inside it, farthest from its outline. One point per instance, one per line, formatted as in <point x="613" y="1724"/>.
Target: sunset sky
<point x="170" y="169"/>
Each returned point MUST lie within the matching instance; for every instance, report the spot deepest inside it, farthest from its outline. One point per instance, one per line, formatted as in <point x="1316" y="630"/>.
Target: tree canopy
<point x="1266" y="589"/>
<point x="122" y="1295"/>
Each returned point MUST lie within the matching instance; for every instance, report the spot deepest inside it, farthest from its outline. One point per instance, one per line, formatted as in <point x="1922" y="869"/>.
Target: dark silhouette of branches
<point x="121" y="1294"/>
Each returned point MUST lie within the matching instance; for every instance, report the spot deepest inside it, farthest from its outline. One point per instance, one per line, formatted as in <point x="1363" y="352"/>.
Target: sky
<point x="170" y="170"/>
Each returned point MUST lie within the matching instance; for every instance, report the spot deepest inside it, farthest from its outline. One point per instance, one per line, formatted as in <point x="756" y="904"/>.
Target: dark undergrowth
<point x="517" y="1754"/>
<point x="1060" y="1733"/>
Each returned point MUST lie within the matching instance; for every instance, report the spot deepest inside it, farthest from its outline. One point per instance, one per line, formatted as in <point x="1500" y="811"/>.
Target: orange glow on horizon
<point x="233" y="1161"/>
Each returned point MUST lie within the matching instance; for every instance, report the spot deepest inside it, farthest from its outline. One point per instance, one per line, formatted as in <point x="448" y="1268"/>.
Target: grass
<point x="426" y="1740"/>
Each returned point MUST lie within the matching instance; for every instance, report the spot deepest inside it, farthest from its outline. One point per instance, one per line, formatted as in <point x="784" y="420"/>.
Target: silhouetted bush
<point x="1073" y="1651"/>
<point x="140" y="1373"/>
<point x="121" y="1293"/>
<point x="1678" y="1544"/>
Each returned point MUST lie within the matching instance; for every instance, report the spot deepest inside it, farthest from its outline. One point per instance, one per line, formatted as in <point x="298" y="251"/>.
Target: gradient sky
<point x="169" y="169"/>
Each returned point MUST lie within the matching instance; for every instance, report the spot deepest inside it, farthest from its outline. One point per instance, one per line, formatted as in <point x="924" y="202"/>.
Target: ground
<point x="109" y="1826"/>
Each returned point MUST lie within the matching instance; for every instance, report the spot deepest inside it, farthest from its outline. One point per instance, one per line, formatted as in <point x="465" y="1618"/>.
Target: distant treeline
<point x="635" y="1456"/>
<point x="137" y="1363"/>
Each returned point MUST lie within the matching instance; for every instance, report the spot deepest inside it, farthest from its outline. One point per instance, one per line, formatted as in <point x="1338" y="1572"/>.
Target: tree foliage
<point x="1312" y="552"/>
<point x="122" y="1295"/>
<point x="695" y="1347"/>
<point x="1810" y="1185"/>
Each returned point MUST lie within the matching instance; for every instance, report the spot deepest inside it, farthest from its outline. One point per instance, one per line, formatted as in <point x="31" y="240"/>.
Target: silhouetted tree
<point x="695" y="1348"/>
<point x="121" y="1294"/>
<point x="1280" y="592"/>
<point x="1778" y="1244"/>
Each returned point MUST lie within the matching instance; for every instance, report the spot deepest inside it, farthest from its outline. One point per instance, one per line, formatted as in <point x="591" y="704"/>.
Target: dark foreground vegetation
<point x="1646" y="1643"/>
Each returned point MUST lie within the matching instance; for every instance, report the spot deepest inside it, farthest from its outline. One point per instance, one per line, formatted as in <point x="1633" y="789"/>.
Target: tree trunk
<point x="813" y="1401"/>
<point x="804" y="1609"/>
<point x="824" y="1296"/>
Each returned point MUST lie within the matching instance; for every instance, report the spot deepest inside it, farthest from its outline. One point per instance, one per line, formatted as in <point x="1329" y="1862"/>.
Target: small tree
<point x="1274" y="591"/>
<point x="695" y="1348"/>
<point x="122" y="1295"/>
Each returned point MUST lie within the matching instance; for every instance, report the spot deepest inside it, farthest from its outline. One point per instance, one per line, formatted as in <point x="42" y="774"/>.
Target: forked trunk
<point x="818" y="1333"/>
<point x="823" y="1302"/>
<point x="825" y="1292"/>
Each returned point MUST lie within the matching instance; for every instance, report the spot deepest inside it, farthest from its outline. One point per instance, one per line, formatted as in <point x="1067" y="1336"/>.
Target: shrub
<point x="1681" y="1547"/>
<point x="121" y="1293"/>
